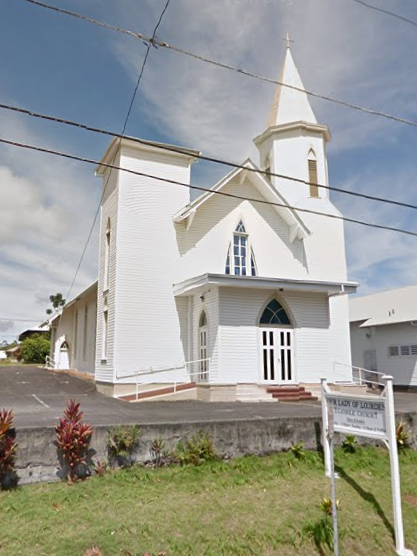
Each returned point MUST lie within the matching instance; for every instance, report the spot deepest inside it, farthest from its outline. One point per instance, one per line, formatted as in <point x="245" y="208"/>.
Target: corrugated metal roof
<point x="389" y="307"/>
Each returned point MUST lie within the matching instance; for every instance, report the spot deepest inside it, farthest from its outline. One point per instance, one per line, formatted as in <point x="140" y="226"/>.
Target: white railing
<point x="49" y="363"/>
<point x="201" y="374"/>
<point x="201" y="370"/>
<point x="357" y="375"/>
<point x="365" y="377"/>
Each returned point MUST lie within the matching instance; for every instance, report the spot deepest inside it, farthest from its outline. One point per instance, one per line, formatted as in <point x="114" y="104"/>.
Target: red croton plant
<point x="73" y="439"/>
<point x="8" y="445"/>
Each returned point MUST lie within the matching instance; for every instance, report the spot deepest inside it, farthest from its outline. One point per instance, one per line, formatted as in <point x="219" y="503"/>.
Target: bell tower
<point x="294" y="144"/>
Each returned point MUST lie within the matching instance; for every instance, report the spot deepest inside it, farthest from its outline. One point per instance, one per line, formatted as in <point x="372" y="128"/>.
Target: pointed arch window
<point x="275" y="314"/>
<point x="312" y="174"/>
<point x="240" y="259"/>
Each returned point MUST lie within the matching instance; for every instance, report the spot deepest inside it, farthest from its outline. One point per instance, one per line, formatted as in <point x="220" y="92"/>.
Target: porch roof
<point x="197" y="284"/>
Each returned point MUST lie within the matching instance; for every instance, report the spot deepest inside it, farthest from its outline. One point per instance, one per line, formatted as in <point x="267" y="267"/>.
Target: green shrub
<point x="349" y="444"/>
<point x="327" y="507"/>
<point x="122" y="442"/>
<point x="403" y="435"/>
<point x="35" y="349"/>
<point x="158" y="452"/>
<point x="298" y="450"/>
<point x="196" y="450"/>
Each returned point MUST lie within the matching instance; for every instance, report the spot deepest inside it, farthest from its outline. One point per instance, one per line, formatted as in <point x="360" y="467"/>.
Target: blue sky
<point x="54" y="64"/>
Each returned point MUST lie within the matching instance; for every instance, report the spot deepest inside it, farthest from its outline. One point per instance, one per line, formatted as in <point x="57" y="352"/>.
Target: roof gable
<point x="298" y="230"/>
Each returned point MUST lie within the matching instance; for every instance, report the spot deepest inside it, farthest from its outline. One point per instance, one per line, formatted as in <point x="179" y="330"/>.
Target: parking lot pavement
<point x="38" y="397"/>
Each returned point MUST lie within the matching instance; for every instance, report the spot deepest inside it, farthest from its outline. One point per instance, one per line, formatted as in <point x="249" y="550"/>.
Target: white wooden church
<point x="223" y="297"/>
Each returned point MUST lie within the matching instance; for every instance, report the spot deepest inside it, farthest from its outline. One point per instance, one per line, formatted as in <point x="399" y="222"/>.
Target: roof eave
<point x="305" y="126"/>
<point x="192" y="285"/>
<point x="142" y="145"/>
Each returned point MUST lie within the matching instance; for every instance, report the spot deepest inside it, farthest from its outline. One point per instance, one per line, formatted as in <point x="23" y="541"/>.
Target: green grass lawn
<point x="250" y="506"/>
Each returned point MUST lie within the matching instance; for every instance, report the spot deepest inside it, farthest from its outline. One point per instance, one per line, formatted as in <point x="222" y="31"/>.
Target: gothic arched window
<point x="274" y="314"/>
<point x="240" y="261"/>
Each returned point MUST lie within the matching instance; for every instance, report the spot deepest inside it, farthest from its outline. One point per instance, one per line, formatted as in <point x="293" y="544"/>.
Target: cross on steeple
<point x="287" y="38"/>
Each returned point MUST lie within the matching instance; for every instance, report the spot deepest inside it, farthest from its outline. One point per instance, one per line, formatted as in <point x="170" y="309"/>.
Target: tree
<point x="35" y="348"/>
<point x="57" y="301"/>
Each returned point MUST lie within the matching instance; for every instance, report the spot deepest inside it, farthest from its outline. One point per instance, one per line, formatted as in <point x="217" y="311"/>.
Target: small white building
<point x="383" y="329"/>
<point x="228" y="294"/>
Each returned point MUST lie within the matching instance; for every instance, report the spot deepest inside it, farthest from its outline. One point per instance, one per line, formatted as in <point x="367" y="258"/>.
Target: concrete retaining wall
<point x="37" y="458"/>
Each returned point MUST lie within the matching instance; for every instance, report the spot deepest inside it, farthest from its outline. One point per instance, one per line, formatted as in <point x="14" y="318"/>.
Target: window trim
<point x="107" y="245"/>
<point x="105" y="332"/>
<point x="250" y="263"/>
<point x="85" y="333"/>
<point x="272" y="325"/>
<point x="313" y="179"/>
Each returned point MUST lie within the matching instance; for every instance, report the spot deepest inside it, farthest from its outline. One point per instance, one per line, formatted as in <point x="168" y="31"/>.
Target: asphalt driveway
<point x="38" y="396"/>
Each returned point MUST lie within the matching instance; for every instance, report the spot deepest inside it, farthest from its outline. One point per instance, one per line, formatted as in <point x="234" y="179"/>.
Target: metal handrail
<point x="363" y="375"/>
<point x="151" y="371"/>
<point x="49" y="362"/>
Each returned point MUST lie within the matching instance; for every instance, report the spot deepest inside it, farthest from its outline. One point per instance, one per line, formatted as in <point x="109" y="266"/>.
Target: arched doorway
<point x="277" y="345"/>
<point x="203" y="346"/>
<point x="62" y="354"/>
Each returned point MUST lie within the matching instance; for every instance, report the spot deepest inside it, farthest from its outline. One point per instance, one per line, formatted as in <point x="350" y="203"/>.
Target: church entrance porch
<point x="262" y="333"/>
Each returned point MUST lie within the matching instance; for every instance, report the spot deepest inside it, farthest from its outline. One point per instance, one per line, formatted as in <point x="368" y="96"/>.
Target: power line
<point x="150" y="43"/>
<point x="387" y="12"/>
<point x="12" y="319"/>
<point x="205" y="190"/>
<point x="123" y="130"/>
<point x="176" y="149"/>
<point x="163" y="44"/>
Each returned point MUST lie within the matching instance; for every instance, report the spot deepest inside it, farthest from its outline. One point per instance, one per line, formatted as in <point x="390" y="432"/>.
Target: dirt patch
<point x="411" y="499"/>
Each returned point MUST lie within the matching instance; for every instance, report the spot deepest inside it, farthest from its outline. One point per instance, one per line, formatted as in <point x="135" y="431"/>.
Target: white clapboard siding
<point x="71" y="329"/>
<point x="288" y="155"/>
<point x="148" y="323"/>
<point x="340" y="352"/>
<point x="110" y="209"/>
<point x="203" y="247"/>
<point x="240" y="311"/>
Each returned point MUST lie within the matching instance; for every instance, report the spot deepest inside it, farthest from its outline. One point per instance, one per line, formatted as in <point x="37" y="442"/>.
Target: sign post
<point x="333" y="481"/>
<point x="372" y="417"/>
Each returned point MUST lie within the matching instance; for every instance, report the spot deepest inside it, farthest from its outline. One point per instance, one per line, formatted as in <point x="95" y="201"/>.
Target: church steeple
<point x="290" y="105"/>
<point x="293" y="143"/>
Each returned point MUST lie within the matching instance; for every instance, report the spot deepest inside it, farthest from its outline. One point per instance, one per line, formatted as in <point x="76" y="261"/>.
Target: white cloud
<point x="221" y="111"/>
<point x="6" y="325"/>
<point x="47" y="207"/>
<point x="24" y="210"/>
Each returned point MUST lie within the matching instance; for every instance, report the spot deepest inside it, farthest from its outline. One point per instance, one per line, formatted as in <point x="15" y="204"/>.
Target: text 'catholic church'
<point x="223" y="297"/>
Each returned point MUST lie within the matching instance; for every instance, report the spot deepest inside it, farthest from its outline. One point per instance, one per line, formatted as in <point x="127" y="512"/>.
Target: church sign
<point x="359" y="415"/>
<point x="372" y="416"/>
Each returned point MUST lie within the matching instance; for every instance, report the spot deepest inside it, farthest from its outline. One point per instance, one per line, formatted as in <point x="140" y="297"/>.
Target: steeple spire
<point x="290" y="105"/>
